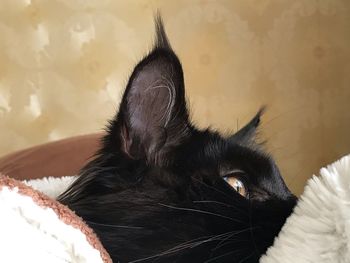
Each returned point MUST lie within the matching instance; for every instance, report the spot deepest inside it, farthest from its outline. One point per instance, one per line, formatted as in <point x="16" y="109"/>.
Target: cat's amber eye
<point x="236" y="184"/>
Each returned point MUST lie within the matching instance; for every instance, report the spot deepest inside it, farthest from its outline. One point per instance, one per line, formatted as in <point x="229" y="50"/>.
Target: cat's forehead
<point x="213" y="149"/>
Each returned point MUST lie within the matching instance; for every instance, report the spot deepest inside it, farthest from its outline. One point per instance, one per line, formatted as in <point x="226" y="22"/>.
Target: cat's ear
<point x="153" y="116"/>
<point x="246" y="135"/>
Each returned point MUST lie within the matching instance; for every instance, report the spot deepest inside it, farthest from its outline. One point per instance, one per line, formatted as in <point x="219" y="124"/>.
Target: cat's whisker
<point x="223" y="255"/>
<point x="251" y="228"/>
<point x="210" y="238"/>
<point x="244" y="259"/>
<point x="212" y="202"/>
<point x="220" y="203"/>
<point x="202" y="212"/>
<point x="211" y="187"/>
<point x="183" y="246"/>
<point x="189" y="245"/>
<point x="115" y="226"/>
<point x="228" y="238"/>
<point x="218" y="191"/>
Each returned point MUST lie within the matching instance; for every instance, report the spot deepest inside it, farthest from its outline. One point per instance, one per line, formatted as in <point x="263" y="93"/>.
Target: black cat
<point x="161" y="190"/>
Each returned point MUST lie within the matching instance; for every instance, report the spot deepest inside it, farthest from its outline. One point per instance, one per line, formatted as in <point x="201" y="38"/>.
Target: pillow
<point x="60" y="158"/>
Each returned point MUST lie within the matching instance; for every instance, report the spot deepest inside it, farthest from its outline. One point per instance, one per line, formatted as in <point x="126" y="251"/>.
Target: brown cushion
<point x="60" y="158"/>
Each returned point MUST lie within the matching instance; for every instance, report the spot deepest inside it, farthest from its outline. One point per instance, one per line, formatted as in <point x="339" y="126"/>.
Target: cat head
<point x="162" y="190"/>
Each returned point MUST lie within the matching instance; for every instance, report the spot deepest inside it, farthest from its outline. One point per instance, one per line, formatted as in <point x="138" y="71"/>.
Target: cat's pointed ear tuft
<point x="246" y="135"/>
<point x="161" y="39"/>
<point x="153" y="116"/>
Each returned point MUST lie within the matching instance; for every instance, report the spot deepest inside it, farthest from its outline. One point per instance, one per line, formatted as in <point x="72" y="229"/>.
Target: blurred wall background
<point x="64" y="64"/>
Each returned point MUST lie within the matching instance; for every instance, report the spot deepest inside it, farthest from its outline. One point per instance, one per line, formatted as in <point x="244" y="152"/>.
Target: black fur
<point x="155" y="191"/>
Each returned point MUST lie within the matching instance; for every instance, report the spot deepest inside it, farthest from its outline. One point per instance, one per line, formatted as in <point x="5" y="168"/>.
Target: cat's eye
<point x="236" y="184"/>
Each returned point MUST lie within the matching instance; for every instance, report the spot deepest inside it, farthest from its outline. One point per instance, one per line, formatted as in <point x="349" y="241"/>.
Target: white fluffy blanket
<point x="317" y="231"/>
<point x="36" y="228"/>
<point x="319" y="228"/>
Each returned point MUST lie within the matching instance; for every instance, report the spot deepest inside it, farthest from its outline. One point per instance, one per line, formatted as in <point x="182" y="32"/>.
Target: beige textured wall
<point x="64" y="63"/>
